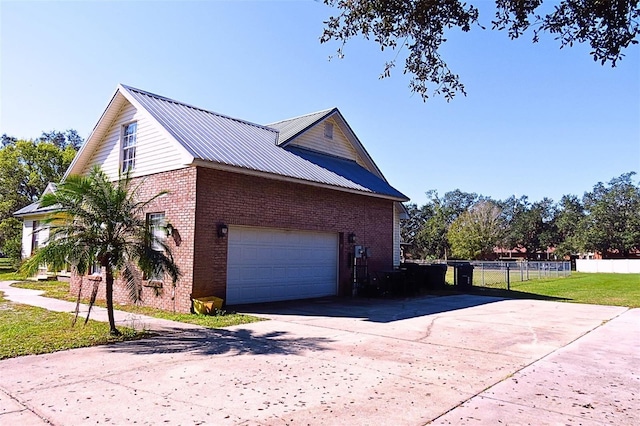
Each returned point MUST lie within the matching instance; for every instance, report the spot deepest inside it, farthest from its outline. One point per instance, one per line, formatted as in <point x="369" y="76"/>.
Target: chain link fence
<point x="503" y="274"/>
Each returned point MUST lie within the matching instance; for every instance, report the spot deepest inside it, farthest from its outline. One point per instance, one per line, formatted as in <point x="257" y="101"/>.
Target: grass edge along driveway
<point x="29" y="330"/>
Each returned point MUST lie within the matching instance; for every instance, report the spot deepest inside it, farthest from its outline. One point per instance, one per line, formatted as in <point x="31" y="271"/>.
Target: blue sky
<point x="537" y="121"/>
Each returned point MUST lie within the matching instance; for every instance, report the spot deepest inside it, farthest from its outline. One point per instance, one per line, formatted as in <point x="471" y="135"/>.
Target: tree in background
<point x="98" y="221"/>
<point x="530" y="226"/>
<point x="420" y="28"/>
<point x="412" y="226"/>
<point x="477" y="231"/>
<point x="606" y="221"/>
<point x="569" y="226"/>
<point x="26" y="167"/>
<point x="11" y="239"/>
<point x="612" y="219"/>
<point x="439" y="214"/>
<point x="63" y="140"/>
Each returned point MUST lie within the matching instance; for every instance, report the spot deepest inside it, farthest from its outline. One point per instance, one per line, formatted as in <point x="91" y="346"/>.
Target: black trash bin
<point x="435" y="275"/>
<point x="414" y="276"/>
<point x="464" y="275"/>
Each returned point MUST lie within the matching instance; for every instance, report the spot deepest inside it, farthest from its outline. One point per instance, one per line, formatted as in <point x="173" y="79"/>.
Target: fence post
<point x="508" y="277"/>
<point x="482" y="265"/>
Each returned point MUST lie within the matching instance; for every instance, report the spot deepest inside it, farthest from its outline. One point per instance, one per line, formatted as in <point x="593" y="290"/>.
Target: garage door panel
<point x="268" y="265"/>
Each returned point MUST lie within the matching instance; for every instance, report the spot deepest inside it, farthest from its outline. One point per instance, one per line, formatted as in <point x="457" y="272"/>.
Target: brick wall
<point x="234" y="199"/>
<point x="178" y="205"/>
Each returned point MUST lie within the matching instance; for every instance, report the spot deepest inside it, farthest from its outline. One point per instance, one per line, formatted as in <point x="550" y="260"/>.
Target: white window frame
<point x="35" y="236"/>
<point x="156" y="222"/>
<point x="129" y="143"/>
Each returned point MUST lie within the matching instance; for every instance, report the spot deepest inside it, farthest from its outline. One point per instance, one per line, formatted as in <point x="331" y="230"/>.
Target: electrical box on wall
<point x="358" y="252"/>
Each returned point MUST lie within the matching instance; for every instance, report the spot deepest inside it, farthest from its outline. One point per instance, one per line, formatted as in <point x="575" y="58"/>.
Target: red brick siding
<point x="179" y="209"/>
<point x="236" y="199"/>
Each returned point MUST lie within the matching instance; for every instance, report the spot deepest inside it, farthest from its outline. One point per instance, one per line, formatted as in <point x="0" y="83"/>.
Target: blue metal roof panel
<point x="350" y="170"/>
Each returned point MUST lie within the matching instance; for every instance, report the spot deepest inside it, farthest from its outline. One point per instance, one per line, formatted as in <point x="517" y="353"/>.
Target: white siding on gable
<point x="339" y="145"/>
<point x="396" y="235"/>
<point x="154" y="151"/>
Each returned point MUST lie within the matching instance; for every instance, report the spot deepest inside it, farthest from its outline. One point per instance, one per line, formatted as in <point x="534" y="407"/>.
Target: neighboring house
<point x="258" y="213"/>
<point x="33" y="234"/>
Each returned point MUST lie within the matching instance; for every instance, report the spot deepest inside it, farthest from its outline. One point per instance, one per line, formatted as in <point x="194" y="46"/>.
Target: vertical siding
<point x="154" y="151"/>
<point x="340" y="146"/>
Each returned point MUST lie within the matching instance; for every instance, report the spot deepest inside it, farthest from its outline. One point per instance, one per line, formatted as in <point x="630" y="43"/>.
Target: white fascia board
<point x="357" y="145"/>
<point x="98" y="131"/>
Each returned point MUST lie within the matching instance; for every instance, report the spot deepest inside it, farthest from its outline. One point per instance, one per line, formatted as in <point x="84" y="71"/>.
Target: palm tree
<point x="97" y="221"/>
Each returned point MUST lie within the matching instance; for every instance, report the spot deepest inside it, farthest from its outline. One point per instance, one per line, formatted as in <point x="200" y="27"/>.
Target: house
<point x="258" y="212"/>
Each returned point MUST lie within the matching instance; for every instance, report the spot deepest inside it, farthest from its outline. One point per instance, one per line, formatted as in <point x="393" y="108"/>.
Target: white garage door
<point x="271" y="264"/>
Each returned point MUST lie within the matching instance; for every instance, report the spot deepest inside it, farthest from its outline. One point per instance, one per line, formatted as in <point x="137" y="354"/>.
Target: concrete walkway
<point x="447" y="360"/>
<point x="125" y="319"/>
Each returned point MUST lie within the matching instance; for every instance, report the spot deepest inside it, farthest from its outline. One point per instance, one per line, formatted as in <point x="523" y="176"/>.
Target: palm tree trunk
<point x="109" y="295"/>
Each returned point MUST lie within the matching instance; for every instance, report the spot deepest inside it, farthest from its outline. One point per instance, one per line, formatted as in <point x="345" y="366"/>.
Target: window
<point x="95" y="269"/>
<point x="328" y="130"/>
<point x="35" y="236"/>
<point x="156" y="223"/>
<point x="129" y="146"/>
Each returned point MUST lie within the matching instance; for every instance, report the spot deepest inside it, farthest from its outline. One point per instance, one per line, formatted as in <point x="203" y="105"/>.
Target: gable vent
<point x="328" y="130"/>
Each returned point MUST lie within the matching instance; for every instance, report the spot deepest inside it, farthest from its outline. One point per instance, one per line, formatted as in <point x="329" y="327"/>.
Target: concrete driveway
<point x="447" y="360"/>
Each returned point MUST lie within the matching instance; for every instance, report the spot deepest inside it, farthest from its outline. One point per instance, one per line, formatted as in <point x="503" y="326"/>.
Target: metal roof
<point x="34" y="208"/>
<point x="348" y="169"/>
<point x="232" y="142"/>
<point x="289" y="129"/>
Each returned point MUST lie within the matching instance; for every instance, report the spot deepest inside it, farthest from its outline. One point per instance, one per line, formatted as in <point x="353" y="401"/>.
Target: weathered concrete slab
<point x="453" y="360"/>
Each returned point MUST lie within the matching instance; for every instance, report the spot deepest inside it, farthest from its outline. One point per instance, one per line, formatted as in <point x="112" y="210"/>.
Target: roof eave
<point x="274" y="176"/>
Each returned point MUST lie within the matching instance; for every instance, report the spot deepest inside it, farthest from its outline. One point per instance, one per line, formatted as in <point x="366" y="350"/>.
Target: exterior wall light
<point x="352" y="238"/>
<point x="223" y="230"/>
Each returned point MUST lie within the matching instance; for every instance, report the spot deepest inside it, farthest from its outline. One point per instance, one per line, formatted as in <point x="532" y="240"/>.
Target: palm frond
<point x="133" y="282"/>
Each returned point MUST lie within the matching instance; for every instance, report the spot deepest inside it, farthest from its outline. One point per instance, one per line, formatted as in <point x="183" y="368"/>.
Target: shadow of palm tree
<point x="222" y="341"/>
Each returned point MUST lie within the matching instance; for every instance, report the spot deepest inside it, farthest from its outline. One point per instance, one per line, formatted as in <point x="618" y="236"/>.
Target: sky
<point x="537" y="120"/>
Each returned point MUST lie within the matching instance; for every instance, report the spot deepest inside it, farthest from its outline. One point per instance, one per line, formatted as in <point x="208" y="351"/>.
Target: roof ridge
<point x="166" y="99"/>
<point x="326" y="111"/>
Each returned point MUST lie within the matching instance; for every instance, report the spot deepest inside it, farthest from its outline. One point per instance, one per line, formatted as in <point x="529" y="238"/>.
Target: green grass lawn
<point x="599" y="289"/>
<point x="60" y="290"/>
<point x="28" y="330"/>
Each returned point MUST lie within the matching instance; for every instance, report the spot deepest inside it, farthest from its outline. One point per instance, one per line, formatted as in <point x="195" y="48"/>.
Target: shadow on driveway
<point x="382" y="310"/>
<point x="222" y="341"/>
